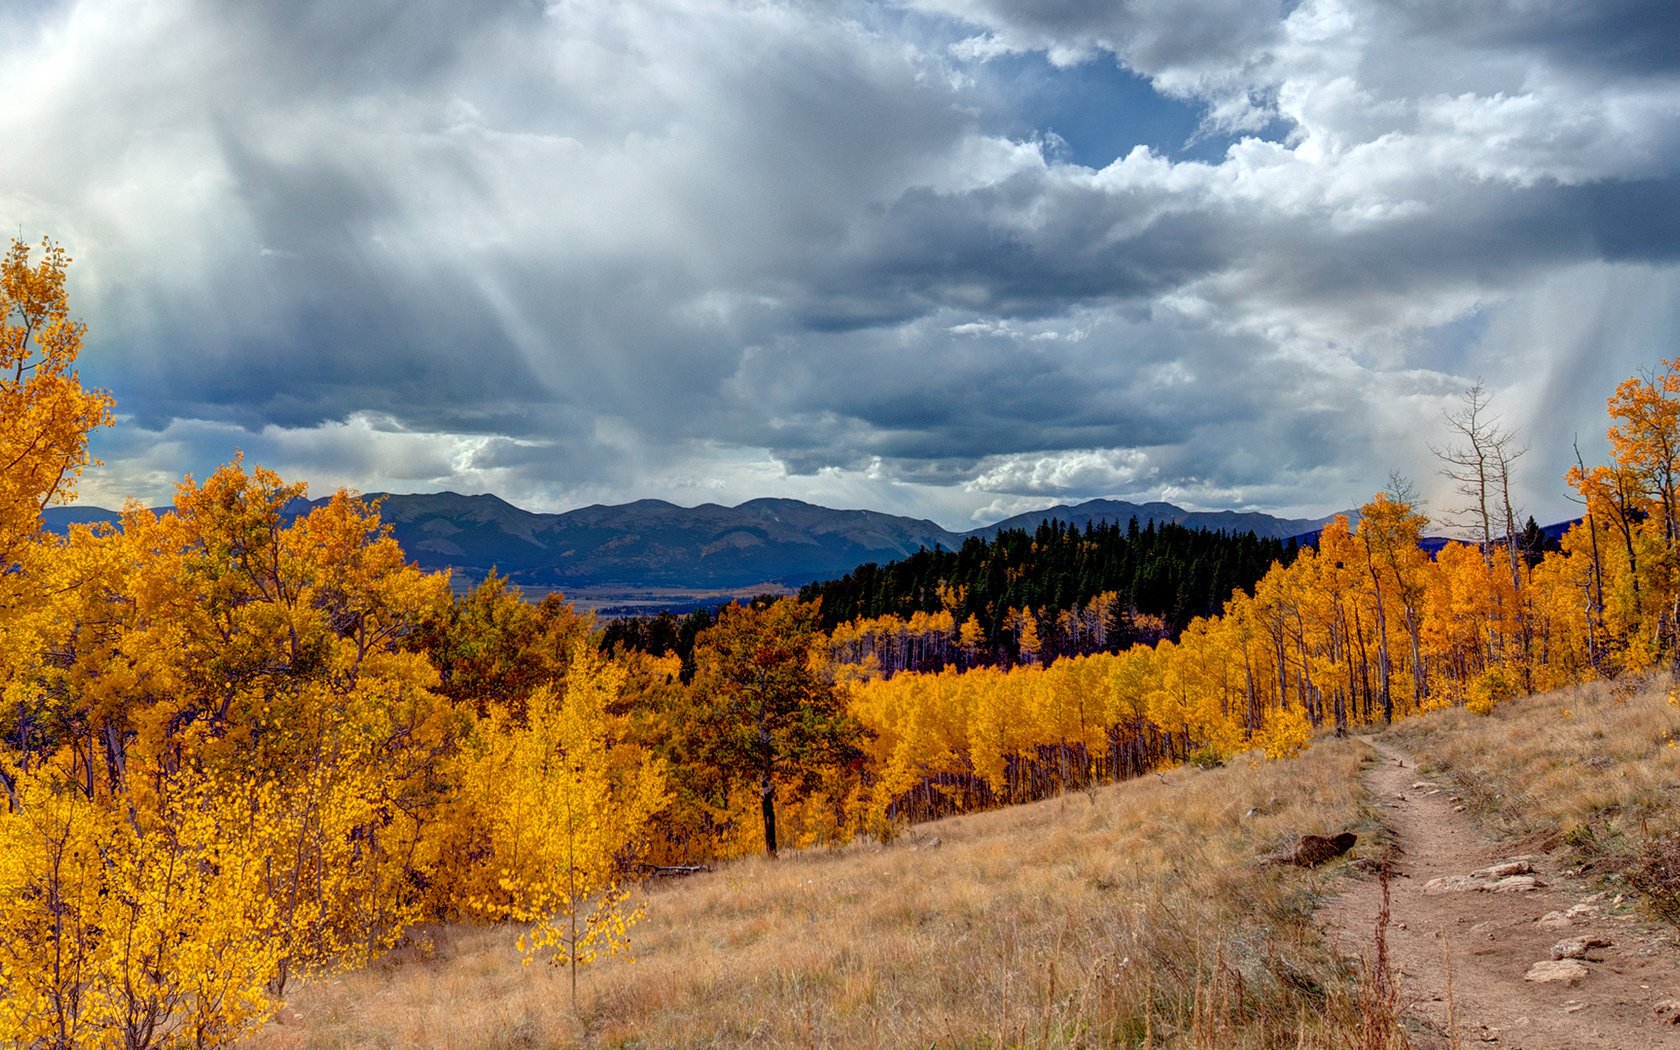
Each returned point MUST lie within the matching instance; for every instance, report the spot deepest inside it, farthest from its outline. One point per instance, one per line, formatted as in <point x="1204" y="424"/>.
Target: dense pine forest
<point x="1159" y="577"/>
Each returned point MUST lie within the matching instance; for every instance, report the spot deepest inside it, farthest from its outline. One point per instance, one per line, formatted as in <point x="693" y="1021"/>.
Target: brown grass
<point x="1132" y="916"/>
<point x="1593" y="769"/>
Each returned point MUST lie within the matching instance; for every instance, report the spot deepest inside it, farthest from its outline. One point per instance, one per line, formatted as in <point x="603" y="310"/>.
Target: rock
<point x="1452" y="884"/>
<point x="1554" y="920"/>
<point x="1566" y="971"/>
<point x="1668" y="1010"/>
<point x="1491" y="926"/>
<point x="1515" y="884"/>
<point x="1503" y="869"/>
<point x="1578" y="947"/>
<point x="1582" y="910"/>
<point x="1313" y="850"/>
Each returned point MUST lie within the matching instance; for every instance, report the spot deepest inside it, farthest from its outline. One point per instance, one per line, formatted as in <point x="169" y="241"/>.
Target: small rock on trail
<point x="1578" y="947"/>
<point x="1567" y="970"/>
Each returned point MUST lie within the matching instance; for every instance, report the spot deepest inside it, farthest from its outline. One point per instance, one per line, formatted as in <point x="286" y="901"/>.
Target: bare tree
<point x="1595" y="584"/>
<point x="1479" y="464"/>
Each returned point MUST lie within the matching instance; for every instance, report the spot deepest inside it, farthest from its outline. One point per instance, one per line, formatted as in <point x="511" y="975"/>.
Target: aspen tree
<point x="564" y="814"/>
<point x="45" y="412"/>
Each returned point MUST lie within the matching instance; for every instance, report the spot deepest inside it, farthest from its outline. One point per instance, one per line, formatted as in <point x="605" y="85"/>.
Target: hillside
<point x="1127" y="915"/>
<point x="649" y="542"/>
<point x="1096" y="919"/>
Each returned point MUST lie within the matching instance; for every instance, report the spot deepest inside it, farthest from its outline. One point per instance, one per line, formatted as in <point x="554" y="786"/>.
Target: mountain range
<point x="655" y="544"/>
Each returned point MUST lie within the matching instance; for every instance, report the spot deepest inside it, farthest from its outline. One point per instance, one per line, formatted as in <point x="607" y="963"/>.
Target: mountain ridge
<point x="656" y="543"/>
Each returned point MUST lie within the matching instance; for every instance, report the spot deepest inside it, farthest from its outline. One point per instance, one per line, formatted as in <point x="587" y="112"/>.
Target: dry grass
<point x="1594" y="769"/>
<point x="1132" y="916"/>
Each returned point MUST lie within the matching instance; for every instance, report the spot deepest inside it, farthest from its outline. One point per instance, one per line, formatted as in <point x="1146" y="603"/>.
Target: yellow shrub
<point x="1287" y="733"/>
<point x="1488" y="690"/>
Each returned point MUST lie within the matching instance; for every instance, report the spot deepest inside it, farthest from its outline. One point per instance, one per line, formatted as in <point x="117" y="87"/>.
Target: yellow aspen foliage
<point x="987" y="702"/>
<point x="1488" y="690"/>
<point x="562" y="813"/>
<point x="188" y="930"/>
<point x="130" y="929"/>
<point x="1015" y="621"/>
<point x="263" y="648"/>
<point x="971" y="636"/>
<point x="1287" y="734"/>
<point x="45" y="412"/>
<point x="1645" y="440"/>
<point x="908" y="739"/>
<point x="52" y="880"/>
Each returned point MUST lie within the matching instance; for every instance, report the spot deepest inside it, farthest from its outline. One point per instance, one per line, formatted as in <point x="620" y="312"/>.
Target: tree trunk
<point x="1382" y="641"/>
<point x="767" y="789"/>
<point x="1420" y="679"/>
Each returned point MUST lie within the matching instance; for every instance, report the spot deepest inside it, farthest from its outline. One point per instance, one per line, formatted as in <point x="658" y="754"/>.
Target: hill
<point x="1132" y="916"/>
<point x="1104" y="920"/>
<point x="649" y="543"/>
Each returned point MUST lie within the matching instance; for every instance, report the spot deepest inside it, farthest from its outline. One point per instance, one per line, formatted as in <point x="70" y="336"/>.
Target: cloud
<point x="1055" y="474"/>
<point x="584" y="251"/>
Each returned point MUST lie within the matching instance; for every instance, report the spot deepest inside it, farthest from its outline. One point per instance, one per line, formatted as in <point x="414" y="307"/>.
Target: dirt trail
<point x="1624" y="995"/>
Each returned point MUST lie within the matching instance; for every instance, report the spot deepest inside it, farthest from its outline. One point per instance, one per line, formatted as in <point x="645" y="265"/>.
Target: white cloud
<point x="1077" y="472"/>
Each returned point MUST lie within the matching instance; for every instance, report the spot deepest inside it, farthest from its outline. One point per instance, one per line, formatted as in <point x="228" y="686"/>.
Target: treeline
<point x="660" y="634"/>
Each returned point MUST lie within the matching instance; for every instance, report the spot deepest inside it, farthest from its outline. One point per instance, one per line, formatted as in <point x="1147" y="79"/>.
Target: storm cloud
<point x="586" y="251"/>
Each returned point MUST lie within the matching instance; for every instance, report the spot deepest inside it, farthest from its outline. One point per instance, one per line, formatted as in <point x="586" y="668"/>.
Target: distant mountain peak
<point x="1121" y="512"/>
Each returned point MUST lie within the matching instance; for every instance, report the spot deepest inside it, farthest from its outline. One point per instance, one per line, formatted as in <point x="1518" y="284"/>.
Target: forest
<point x="240" y="749"/>
<point x="1122" y="582"/>
<point x="1098" y="589"/>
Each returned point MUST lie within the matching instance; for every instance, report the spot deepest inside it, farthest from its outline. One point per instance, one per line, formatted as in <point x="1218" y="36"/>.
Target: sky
<point x="955" y="259"/>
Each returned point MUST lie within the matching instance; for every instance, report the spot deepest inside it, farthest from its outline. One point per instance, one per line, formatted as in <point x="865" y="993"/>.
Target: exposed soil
<point x="1494" y="928"/>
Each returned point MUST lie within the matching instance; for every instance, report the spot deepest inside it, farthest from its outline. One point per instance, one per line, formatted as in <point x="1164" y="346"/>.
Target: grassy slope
<point x="1131" y="916"/>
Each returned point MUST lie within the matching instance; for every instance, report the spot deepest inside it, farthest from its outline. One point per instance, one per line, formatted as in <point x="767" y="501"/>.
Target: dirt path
<point x="1495" y="927"/>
